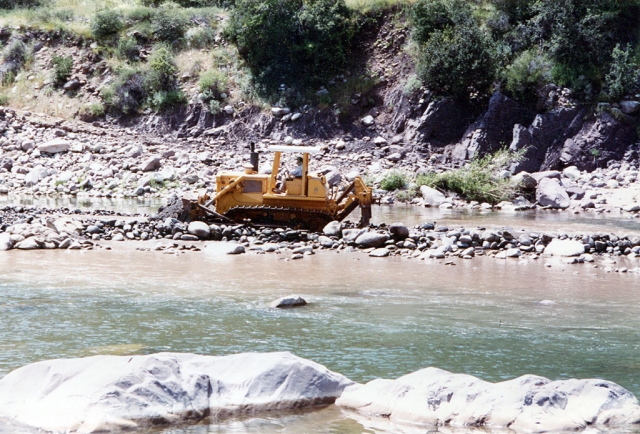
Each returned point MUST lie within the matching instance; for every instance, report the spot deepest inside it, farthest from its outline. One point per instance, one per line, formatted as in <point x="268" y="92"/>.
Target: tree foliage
<point x="295" y="42"/>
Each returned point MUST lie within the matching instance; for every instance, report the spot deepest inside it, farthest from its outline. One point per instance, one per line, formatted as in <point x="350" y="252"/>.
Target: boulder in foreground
<point x="107" y="393"/>
<point x="529" y="403"/>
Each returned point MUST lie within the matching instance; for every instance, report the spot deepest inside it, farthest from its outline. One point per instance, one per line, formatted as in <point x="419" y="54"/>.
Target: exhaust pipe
<point x="254" y="158"/>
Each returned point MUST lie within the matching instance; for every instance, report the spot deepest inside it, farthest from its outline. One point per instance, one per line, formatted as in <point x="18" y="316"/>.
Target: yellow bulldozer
<point x="299" y="199"/>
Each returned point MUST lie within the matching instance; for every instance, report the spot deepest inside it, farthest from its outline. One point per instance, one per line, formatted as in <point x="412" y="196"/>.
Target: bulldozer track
<point x="296" y="218"/>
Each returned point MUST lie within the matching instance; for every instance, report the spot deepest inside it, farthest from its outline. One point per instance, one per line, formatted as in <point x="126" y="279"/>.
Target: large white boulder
<point x="54" y="146"/>
<point x="530" y="403"/>
<point x="550" y="193"/>
<point x="564" y="248"/>
<point x="5" y="242"/>
<point x="431" y="196"/>
<point x="107" y="393"/>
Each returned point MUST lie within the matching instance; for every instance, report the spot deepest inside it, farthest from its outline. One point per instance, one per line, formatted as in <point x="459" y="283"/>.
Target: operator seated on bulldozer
<point x="284" y="175"/>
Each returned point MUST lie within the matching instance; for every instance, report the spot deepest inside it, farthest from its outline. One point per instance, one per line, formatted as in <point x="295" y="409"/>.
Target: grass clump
<point x="62" y="69"/>
<point x="394" y="180"/>
<point x="479" y="180"/>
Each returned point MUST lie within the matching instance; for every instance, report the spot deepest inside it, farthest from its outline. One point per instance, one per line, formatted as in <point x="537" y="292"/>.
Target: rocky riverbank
<point x="35" y="228"/>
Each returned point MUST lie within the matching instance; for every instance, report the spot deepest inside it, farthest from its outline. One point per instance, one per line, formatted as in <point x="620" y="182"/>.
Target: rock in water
<point x="371" y="239"/>
<point x="529" y="403"/>
<point x="108" y="393"/>
<point x="289" y="301"/>
<point x="399" y="231"/>
<point x="550" y="193"/>
<point x="564" y="248"/>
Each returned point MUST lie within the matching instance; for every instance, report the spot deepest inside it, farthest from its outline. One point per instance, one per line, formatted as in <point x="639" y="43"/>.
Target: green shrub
<point x="429" y="16"/>
<point x="169" y="25"/>
<point x="200" y="37"/>
<point x="296" y="42"/>
<point x="457" y="62"/>
<point x="394" y="180"/>
<point x="412" y="85"/>
<point x="62" y="69"/>
<point x="167" y="99"/>
<point x="212" y="84"/>
<point x="528" y="72"/>
<point x="215" y="107"/>
<point x="128" y="94"/>
<point x="128" y="49"/>
<point x="623" y="77"/>
<point x="478" y="180"/>
<point x="106" y="24"/>
<point x="4" y="99"/>
<point x="162" y="75"/>
<point x="16" y="53"/>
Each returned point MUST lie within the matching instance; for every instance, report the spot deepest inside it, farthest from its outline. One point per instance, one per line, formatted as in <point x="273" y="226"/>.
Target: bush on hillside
<point x="128" y="49"/>
<point x="128" y="94"/>
<point x="580" y="35"/>
<point x="106" y="24"/>
<point x="169" y="25"/>
<point x="213" y="84"/>
<point x="429" y="16"/>
<point x="623" y="77"/>
<point x="62" y="69"/>
<point x="296" y="42"/>
<point x="530" y="71"/>
<point x="15" y="53"/>
<point x="163" y="72"/>
<point x="200" y="37"/>
<point x="458" y="62"/>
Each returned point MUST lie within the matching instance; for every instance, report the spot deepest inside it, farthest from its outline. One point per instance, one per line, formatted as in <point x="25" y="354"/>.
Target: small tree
<point x="457" y="61"/>
<point x="623" y="76"/>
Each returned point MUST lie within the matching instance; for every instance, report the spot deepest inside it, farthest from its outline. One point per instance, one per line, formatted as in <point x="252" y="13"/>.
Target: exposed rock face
<point x="442" y="123"/>
<point x="106" y="393"/>
<point x="565" y="137"/>
<point x="529" y="403"/>
<point x="547" y="133"/>
<point x="493" y="128"/>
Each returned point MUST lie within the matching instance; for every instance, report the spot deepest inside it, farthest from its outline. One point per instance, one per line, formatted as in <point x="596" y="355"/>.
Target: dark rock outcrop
<point x="493" y="129"/>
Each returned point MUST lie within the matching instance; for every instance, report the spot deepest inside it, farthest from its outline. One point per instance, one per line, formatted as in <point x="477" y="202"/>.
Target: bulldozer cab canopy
<point x="291" y="149"/>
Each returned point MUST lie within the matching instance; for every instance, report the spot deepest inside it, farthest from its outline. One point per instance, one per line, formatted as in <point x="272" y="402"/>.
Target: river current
<point x="367" y="318"/>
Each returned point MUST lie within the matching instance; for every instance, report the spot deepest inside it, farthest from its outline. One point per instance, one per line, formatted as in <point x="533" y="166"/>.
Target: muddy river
<point x="367" y="318"/>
